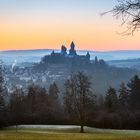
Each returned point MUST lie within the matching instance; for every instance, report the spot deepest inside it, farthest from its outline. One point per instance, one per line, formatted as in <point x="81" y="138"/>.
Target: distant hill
<point x="35" y="55"/>
<point x="128" y="63"/>
<point x="45" y="72"/>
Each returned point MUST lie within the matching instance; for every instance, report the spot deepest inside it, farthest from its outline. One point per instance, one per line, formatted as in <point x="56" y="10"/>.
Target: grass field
<point x="67" y="133"/>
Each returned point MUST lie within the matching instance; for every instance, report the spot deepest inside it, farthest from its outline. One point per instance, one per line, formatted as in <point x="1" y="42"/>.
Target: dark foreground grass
<point x="24" y="134"/>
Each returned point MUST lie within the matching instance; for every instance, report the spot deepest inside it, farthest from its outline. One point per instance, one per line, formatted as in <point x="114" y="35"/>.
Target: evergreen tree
<point x="55" y="106"/>
<point x="53" y="92"/>
<point x="111" y="100"/>
<point x="16" y="106"/>
<point x="134" y="91"/>
<point x="123" y="95"/>
<point x="2" y="97"/>
<point x="2" y="111"/>
<point x="37" y="99"/>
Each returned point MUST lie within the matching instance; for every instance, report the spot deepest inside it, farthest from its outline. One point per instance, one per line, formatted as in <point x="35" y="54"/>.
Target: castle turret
<point x="88" y="56"/>
<point x="96" y="60"/>
<point x="53" y="53"/>
<point x="63" y="50"/>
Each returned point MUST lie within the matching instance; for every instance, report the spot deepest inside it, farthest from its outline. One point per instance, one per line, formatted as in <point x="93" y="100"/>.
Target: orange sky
<point x="38" y="28"/>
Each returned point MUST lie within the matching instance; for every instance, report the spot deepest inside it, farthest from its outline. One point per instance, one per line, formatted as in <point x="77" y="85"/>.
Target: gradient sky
<point x="39" y="24"/>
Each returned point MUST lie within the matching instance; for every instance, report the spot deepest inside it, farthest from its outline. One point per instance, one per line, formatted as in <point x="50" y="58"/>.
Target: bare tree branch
<point x="129" y="12"/>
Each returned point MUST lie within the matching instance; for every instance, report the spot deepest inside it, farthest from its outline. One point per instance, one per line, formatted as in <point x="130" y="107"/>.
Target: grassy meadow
<point x="60" y="133"/>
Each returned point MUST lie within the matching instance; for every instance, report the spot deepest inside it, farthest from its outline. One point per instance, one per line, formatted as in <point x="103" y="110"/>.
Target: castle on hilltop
<point x="66" y="57"/>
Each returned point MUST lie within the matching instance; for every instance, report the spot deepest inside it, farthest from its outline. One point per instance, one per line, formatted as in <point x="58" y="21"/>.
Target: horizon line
<point x="76" y="50"/>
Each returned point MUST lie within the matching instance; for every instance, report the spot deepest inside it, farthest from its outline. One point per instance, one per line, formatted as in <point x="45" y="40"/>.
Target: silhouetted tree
<point x="102" y="63"/>
<point x="134" y="91"/>
<point x="16" y="106"/>
<point x="129" y="11"/>
<point x="53" y="92"/>
<point x="2" y="111"/>
<point x="78" y="96"/>
<point x="111" y="100"/>
<point x="3" y="92"/>
<point x="37" y="101"/>
<point x="54" y="101"/>
<point x="123" y="96"/>
<point x="101" y="101"/>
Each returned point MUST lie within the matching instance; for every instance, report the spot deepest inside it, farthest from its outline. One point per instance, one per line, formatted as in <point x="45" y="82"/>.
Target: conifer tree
<point x="2" y="97"/>
<point x="134" y="91"/>
<point x="123" y="95"/>
<point x="111" y="100"/>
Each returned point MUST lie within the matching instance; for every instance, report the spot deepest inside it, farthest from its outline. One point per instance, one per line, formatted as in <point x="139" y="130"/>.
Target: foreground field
<point x="66" y="133"/>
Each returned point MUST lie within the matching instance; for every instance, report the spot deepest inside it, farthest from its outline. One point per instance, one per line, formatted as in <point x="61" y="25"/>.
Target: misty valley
<point x="23" y="68"/>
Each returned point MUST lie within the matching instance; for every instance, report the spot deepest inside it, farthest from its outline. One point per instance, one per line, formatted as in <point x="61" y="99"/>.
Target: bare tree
<point x="3" y="93"/>
<point x="129" y="12"/>
<point x="16" y="107"/>
<point x="78" y="97"/>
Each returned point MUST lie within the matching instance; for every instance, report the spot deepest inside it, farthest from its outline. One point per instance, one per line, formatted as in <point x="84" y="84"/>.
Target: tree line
<point x="77" y="104"/>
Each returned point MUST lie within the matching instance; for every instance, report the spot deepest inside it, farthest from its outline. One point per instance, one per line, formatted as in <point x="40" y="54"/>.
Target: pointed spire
<point x="72" y="51"/>
<point x="72" y="46"/>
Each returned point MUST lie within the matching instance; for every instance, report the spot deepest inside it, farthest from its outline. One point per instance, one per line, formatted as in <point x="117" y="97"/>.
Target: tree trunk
<point x="82" y="129"/>
<point x="16" y="128"/>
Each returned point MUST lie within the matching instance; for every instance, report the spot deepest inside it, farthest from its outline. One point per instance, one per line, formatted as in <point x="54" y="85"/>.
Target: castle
<point x="66" y="57"/>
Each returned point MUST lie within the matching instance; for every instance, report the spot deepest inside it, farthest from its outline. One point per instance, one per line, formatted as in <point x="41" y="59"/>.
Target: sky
<point x="47" y="24"/>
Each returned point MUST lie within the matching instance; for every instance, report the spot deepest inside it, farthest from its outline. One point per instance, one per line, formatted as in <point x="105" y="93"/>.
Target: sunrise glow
<point x="40" y="24"/>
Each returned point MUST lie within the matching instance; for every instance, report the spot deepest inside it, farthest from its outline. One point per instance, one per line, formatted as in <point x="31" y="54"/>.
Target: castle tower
<point x="72" y="51"/>
<point x="63" y="50"/>
<point x="88" y="56"/>
<point x="72" y="46"/>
